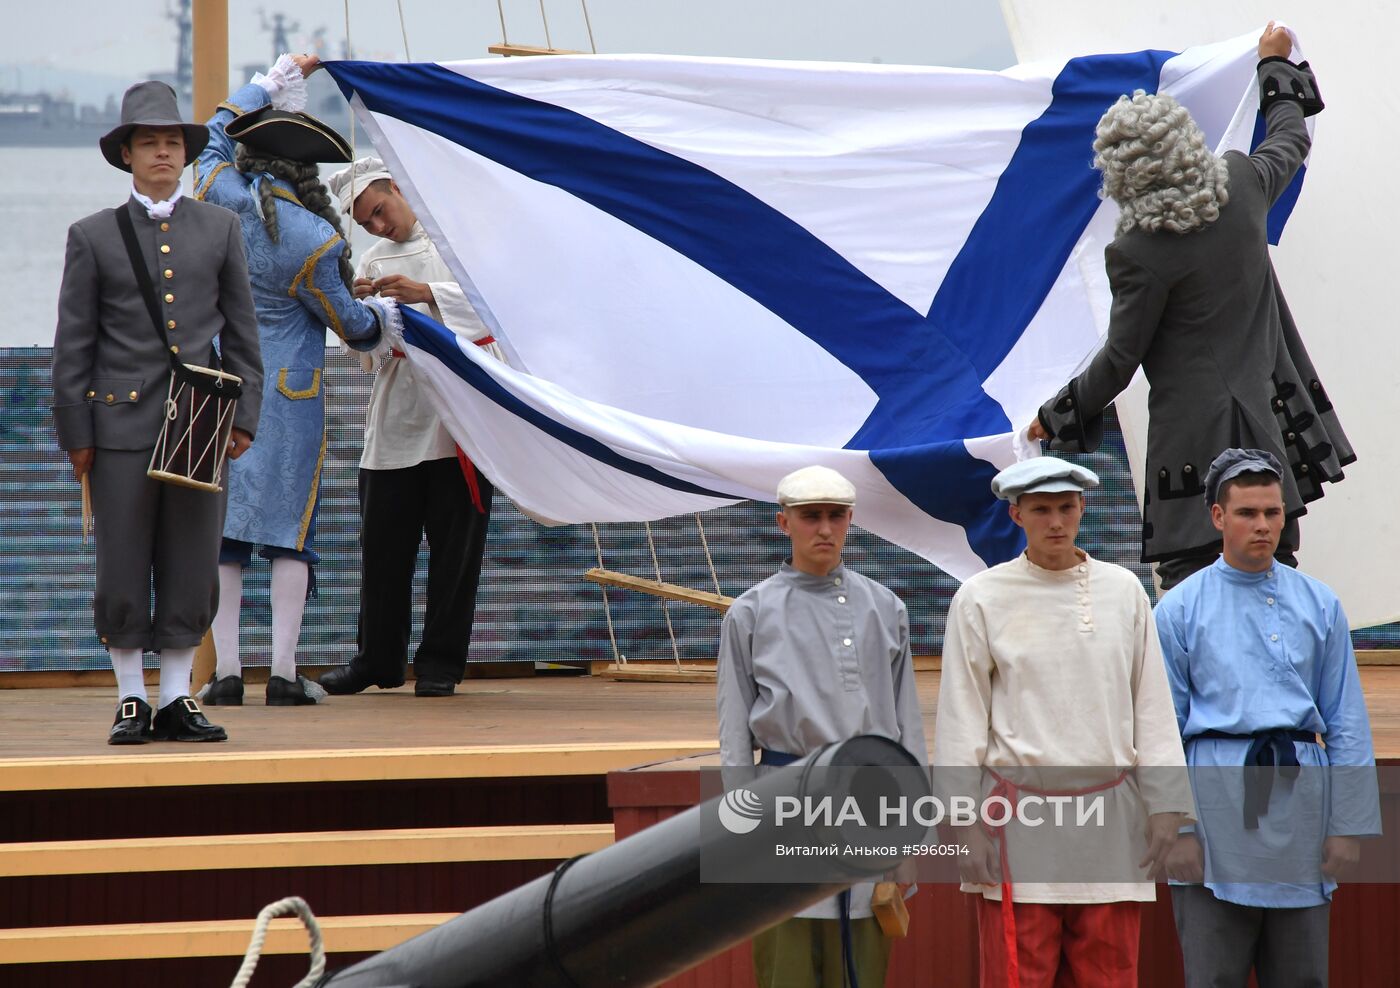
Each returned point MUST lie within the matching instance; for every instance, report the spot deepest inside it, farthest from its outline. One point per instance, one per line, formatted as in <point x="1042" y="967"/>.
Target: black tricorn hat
<point x="294" y="136"/>
<point x="150" y="104"/>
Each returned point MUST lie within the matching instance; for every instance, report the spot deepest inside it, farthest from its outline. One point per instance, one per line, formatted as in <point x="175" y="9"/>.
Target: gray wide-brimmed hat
<point x="151" y="104"/>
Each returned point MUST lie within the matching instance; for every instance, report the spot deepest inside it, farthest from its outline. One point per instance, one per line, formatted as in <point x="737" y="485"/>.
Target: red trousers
<point x="1062" y="946"/>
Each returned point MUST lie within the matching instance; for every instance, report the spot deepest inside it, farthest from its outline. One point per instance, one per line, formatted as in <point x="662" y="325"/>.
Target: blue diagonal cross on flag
<point x="709" y="272"/>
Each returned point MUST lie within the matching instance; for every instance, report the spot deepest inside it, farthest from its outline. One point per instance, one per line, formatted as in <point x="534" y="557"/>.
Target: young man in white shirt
<point x="413" y="477"/>
<point x="1051" y="662"/>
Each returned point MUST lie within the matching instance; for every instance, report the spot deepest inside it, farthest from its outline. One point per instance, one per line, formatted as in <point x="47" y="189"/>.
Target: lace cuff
<point x="284" y="83"/>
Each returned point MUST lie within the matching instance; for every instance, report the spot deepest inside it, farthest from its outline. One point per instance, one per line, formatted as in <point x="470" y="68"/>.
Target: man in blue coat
<point x="260" y="163"/>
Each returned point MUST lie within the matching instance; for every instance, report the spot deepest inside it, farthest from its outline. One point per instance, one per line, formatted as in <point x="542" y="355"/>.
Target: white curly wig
<point x="1157" y="167"/>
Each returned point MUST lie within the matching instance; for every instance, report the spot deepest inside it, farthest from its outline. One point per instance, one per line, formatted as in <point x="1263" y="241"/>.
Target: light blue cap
<point x="1042" y="475"/>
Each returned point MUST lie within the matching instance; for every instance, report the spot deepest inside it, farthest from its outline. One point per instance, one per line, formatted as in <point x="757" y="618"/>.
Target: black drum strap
<point x="143" y="276"/>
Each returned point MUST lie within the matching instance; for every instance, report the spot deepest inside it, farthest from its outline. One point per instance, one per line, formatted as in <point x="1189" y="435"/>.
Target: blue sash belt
<point x="1267" y="749"/>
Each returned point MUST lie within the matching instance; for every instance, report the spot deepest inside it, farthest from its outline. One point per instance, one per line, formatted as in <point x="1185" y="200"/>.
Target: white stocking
<point x="126" y="663"/>
<point x="226" y="661"/>
<point x="176" y="664"/>
<point x="289" y="579"/>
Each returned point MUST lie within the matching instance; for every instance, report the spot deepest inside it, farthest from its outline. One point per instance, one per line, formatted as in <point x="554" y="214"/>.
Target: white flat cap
<point x="815" y="485"/>
<point x="1042" y="475"/>
<point x="364" y="171"/>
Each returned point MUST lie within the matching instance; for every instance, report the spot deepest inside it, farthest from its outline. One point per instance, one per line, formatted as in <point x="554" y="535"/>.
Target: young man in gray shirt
<point x="813" y="655"/>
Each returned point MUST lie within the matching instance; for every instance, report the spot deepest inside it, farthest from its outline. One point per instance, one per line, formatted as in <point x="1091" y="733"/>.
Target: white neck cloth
<point x="158" y="210"/>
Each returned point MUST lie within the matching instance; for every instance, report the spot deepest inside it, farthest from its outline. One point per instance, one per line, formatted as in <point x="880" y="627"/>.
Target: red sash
<point x="1012" y="793"/>
<point x="468" y="468"/>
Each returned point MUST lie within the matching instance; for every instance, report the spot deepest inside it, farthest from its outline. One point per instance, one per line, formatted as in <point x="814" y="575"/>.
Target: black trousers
<point x="396" y="508"/>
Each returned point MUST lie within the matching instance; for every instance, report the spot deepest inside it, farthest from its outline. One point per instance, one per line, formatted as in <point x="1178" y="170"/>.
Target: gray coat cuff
<point x="1280" y="81"/>
<point x="1069" y="431"/>
<point x="73" y="423"/>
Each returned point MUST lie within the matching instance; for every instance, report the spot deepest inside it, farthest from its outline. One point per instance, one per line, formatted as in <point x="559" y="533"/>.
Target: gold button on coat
<point x="169" y="297"/>
<point x="132" y="396"/>
<point x="92" y="394"/>
<point x="165" y="228"/>
<point x="165" y="248"/>
<point x="174" y="349"/>
<point x="170" y="324"/>
<point x="169" y="273"/>
<point x="110" y="398"/>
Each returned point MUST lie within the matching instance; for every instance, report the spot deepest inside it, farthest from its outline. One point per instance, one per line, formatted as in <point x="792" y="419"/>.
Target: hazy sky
<point x="131" y="38"/>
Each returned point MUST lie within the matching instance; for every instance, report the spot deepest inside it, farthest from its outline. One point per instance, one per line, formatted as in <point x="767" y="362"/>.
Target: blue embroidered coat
<point x="298" y="293"/>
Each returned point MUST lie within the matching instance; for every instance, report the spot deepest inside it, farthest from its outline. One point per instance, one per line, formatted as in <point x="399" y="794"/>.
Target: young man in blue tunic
<point x="1261" y="668"/>
<point x="813" y="655"/>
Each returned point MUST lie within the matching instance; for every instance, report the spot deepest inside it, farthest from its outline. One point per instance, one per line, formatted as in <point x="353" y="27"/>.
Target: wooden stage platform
<point x="387" y="812"/>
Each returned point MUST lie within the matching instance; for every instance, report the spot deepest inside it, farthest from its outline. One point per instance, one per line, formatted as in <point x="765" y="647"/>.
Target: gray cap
<point x="1233" y="462"/>
<point x="815" y="485"/>
<point x="1042" y="475"/>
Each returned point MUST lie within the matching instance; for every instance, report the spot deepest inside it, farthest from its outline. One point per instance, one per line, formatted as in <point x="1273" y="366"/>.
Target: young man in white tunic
<point x="413" y="477"/>
<point x="813" y="655"/>
<point x="1051" y="662"/>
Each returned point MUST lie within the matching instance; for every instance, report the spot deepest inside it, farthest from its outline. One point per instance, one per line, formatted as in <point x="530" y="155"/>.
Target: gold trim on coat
<point x="332" y="320"/>
<point x="310" y="392"/>
<point x="204" y="189"/>
<point x="311" y="499"/>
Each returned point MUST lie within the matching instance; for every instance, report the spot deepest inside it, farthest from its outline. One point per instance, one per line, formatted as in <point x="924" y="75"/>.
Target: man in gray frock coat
<point x="110" y="377"/>
<point x="1197" y="306"/>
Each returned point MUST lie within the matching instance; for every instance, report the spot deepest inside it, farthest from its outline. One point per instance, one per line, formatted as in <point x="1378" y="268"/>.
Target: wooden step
<point x="212" y="938"/>
<point x="671" y="591"/>
<point x="154" y="765"/>
<point x="326" y="849"/>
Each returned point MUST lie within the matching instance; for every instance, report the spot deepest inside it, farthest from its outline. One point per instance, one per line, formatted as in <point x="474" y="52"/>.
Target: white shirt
<point x="401" y="427"/>
<point x="1063" y="668"/>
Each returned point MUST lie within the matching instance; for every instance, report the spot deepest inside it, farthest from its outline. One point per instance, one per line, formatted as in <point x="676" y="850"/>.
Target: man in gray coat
<point x="110" y="378"/>
<point x="1197" y="306"/>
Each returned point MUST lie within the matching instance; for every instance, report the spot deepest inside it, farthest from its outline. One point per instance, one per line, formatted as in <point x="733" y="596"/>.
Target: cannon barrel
<point x="638" y="912"/>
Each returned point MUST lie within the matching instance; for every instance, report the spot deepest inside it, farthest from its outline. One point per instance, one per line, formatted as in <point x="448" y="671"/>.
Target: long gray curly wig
<point x="306" y="181"/>
<point x="1157" y="167"/>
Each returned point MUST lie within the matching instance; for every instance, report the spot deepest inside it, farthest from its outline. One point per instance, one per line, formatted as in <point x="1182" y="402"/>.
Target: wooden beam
<point x="211" y="938"/>
<point x="183" y="768"/>
<point x="341" y="848"/>
<point x="671" y="591"/>
<point x="209" y="39"/>
<point x="209" y="51"/>
<point x="660" y="672"/>
<point x="506" y="49"/>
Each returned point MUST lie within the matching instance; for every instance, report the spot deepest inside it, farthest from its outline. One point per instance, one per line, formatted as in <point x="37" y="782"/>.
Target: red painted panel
<point x="942" y="944"/>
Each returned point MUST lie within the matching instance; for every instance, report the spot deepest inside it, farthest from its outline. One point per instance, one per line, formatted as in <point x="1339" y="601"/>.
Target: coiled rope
<point x="290" y="905"/>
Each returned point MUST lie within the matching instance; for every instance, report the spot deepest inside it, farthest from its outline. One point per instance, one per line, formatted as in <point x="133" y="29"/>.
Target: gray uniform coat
<point x="1203" y="315"/>
<point x="110" y="371"/>
<point x="110" y="380"/>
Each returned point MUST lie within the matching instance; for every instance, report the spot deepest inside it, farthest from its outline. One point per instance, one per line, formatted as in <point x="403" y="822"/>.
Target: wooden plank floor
<point x="516" y="716"/>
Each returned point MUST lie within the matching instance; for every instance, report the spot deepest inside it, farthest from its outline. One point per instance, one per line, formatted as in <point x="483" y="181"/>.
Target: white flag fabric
<point x="709" y="272"/>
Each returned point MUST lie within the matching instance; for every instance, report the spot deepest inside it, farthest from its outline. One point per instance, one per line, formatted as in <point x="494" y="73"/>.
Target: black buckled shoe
<point x="226" y="692"/>
<point x="434" y="686"/>
<point x="133" y="723"/>
<point x="182" y="720"/>
<point x="348" y="679"/>
<point x="287" y="693"/>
